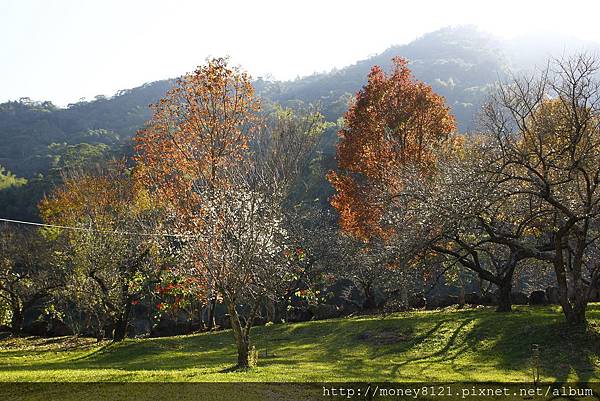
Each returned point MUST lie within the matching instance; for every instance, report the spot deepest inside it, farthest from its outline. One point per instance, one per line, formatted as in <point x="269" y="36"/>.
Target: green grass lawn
<point x="446" y="345"/>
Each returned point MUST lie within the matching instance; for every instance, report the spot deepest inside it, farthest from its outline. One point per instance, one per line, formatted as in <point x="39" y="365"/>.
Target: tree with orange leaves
<point x="225" y="176"/>
<point x="393" y="121"/>
<point x="198" y="131"/>
<point x="111" y="248"/>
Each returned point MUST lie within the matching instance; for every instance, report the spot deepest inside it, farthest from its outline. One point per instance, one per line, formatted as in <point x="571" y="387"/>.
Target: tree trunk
<point x="271" y="311"/>
<point x="369" y="298"/>
<point x="120" y="330"/>
<point x="461" y="293"/>
<point x="212" y="303"/>
<point x="17" y="320"/>
<point x="121" y="324"/>
<point x="506" y="281"/>
<point x="504" y="300"/>
<point x="241" y="338"/>
<point x="574" y="312"/>
<point x="576" y="316"/>
<point x="404" y="296"/>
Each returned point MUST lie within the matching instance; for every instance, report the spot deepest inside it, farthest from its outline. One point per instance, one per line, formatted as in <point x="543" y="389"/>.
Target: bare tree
<point x="548" y="132"/>
<point x="28" y="272"/>
<point x="462" y="212"/>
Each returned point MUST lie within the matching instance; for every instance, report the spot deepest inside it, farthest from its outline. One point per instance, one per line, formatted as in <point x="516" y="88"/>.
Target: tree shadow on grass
<point x="335" y="346"/>
<point x="103" y="349"/>
<point x="151" y="354"/>
<point x="448" y="352"/>
<point x="338" y="342"/>
<point x="510" y="342"/>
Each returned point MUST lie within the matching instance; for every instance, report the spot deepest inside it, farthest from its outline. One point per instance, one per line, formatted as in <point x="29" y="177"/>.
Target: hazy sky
<point x="63" y="50"/>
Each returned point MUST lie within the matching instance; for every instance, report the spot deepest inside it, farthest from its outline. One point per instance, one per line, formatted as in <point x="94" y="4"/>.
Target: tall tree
<point x="225" y="178"/>
<point x="548" y="130"/>
<point x="393" y="121"/>
<point x="197" y="132"/>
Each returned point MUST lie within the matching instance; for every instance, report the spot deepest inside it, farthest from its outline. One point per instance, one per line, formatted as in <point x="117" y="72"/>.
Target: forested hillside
<point x="458" y="63"/>
<point x="38" y="139"/>
<point x="34" y="136"/>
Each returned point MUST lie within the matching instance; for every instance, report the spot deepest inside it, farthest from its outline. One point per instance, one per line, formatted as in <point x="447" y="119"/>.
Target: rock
<point x="417" y="301"/>
<point x="295" y="314"/>
<point x="183" y="327"/>
<point x="344" y="292"/>
<point x="325" y="311"/>
<point x="552" y="296"/>
<point x="473" y="298"/>
<point x="519" y="298"/>
<point x="130" y="331"/>
<point x="451" y="300"/>
<point x="349" y="309"/>
<point x="165" y="327"/>
<point x="537" y="298"/>
<point x="441" y="302"/>
<point x="377" y="300"/>
<point x="594" y="295"/>
<point x="37" y="328"/>
<point x="141" y="327"/>
<point x="58" y="328"/>
<point x="433" y="302"/>
<point x="487" y="299"/>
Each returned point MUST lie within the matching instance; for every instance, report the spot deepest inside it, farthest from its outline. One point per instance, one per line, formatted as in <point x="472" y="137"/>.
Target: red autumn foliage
<point x="393" y="121"/>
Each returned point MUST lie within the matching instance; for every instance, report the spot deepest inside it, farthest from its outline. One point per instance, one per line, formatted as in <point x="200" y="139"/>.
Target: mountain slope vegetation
<point x="39" y="139"/>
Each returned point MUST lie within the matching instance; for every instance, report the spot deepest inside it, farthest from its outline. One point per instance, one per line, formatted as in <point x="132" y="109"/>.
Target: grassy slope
<point x="450" y="345"/>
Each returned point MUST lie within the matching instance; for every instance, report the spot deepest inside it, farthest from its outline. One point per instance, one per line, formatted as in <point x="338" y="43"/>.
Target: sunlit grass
<point x="449" y="345"/>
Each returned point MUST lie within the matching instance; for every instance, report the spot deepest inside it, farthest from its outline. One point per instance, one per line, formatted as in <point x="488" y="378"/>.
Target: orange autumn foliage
<point x="198" y="130"/>
<point x="109" y="199"/>
<point x="394" y="121"/>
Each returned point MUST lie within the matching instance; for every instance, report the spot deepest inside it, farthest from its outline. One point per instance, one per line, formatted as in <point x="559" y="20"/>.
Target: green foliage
<point x="20" y="202"/>
<point x="19" y="197"/>
<point x="36" y="137"/>
<point x="79" y="156"/>
<point x="8" y="179"/>
<point x="28" y="128"/>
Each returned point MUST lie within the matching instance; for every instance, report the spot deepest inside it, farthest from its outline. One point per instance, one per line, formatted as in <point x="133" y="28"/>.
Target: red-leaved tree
<point x="393" y="121"/>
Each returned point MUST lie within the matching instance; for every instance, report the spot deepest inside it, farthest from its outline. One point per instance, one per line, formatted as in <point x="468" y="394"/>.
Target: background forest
<point x="38" y="139"/>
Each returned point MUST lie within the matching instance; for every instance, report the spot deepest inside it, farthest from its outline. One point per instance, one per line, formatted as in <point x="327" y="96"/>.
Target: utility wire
<point x="31" y="223"/>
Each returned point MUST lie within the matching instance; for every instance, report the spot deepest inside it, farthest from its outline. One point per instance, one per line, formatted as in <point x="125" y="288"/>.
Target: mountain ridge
<point x="460" y="63"/>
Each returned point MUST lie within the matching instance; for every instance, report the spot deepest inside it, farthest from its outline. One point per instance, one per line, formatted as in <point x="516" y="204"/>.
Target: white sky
<point x="63" y="50"/>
